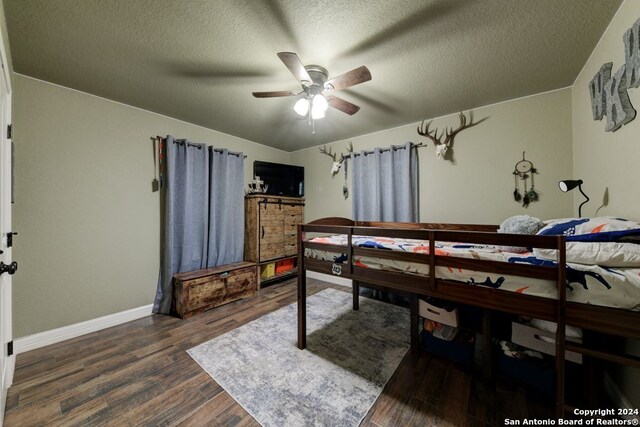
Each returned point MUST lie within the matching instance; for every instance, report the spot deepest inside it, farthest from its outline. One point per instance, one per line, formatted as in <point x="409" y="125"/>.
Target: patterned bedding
<point x="588" y="284"/>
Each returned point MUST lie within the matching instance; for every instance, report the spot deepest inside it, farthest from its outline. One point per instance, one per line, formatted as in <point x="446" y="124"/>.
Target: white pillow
<point x="606" y="254"/>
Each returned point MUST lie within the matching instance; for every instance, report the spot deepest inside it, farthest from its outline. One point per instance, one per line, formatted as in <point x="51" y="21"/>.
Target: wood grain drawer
<point x="290" y="249"/>
<point x="291" y="229"/>
<point x="200" y="290"/>
<point x="292" y="219"/>
<point x="290" y="232"/>
<point x="203" y="294"/>
<point x="290" y="239"/>
<point x="271" y="250"/>
<point x="292" y="210"/>
<point x="244" y="281"/>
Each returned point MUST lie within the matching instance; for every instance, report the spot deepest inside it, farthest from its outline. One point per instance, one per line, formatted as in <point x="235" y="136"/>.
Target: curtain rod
<point x="199" y="146"/>
<point x="393" y="147"/>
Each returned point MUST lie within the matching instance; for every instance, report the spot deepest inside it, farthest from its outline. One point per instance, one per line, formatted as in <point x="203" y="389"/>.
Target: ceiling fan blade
<point x="342" y="105"/>
<point x="351" y="78"/>
<point x="294" y="65"/>
<point x="275" y="93"/>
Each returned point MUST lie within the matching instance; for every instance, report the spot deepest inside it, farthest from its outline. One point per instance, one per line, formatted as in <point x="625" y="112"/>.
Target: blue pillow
<point x="598" y="229"/>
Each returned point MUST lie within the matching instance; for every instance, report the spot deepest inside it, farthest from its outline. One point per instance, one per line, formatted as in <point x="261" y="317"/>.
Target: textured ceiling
<point x="199" y="60"/>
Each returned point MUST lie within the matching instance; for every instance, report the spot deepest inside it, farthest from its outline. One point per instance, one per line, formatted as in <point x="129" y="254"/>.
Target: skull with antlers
<point x="449" y="134"/>
<point x="335" y="168"/>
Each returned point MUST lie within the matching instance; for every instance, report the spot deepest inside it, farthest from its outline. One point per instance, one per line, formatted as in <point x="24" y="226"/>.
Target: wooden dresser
<point x="271" y="233"/>
<point x="200" y="290"/>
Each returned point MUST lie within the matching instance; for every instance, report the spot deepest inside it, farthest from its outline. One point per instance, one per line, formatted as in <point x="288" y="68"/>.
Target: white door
<point x="7" y="362"/>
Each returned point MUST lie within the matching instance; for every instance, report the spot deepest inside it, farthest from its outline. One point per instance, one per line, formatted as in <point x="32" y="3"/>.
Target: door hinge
<point x="9" y="132"/>
<point x="10" y="348"/>
<point x="10" y="238"/>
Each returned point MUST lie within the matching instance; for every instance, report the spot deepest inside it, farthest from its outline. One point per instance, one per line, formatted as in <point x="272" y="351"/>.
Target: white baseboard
<point x="41" y="339"/>
<point x="8" y="379"/>
<point x="9" y="369"/>
<point x="329" y="278"/>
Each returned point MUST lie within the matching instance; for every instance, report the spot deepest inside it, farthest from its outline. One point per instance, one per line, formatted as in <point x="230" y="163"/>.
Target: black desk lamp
<point x="569" y="185"/>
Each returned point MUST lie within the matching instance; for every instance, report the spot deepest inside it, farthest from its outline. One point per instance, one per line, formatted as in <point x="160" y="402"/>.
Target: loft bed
<point x="430" y="270"/>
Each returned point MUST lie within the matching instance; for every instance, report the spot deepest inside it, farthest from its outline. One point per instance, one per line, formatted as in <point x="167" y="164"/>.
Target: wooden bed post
<point x="487" y="362"/>
<point x="355" y="285"/>
<point x="561" y="325"/>
<point x="355" y="288"/>
<point x="302" y="294"/>
<point x="414" y="323"/>
<point x="432" y="260"/>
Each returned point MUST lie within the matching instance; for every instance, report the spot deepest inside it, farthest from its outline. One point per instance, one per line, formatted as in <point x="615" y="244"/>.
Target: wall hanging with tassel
<point x="522" y="172"/>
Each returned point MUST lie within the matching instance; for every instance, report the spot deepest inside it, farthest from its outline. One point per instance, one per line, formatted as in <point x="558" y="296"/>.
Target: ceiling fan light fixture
<point x="302" y="106"/>
<point x="319" y="104"/>
<point x="317" y="114"/>
<point x="314" y="80"/>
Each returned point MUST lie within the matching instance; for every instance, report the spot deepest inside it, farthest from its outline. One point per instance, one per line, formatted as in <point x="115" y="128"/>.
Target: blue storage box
<point x="540" y="376"/>
<point x="460" y="350"/>
<point x="471" y="318"/>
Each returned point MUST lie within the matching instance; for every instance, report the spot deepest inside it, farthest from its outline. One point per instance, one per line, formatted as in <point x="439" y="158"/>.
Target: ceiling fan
<point x="315" y="96"/>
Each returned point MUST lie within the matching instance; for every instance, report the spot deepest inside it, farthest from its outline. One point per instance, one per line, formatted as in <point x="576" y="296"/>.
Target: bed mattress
<point x="587" y="284"/>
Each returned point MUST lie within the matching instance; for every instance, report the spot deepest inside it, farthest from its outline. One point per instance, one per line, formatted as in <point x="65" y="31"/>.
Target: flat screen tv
<point x="283" y="180"/>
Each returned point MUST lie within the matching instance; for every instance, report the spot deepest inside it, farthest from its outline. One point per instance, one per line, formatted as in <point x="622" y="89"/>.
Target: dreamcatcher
<point x="523" y="171"/>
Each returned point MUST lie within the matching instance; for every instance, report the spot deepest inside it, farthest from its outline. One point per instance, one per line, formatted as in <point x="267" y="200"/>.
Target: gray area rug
<point x="350" y="356"/>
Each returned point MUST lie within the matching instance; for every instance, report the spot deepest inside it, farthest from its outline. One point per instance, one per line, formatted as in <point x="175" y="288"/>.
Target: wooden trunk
<point x="270" y="230"/>
<point x="200" y="290"/>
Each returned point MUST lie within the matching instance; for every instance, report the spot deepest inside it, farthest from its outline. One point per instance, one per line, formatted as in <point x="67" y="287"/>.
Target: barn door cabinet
<point x="270" y="234"/>
<point x="200" y="290"/>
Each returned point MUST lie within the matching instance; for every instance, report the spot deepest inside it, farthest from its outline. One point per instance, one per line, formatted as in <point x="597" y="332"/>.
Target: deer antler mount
<point x="442" y="145"/>
<point x="335" y="167"/>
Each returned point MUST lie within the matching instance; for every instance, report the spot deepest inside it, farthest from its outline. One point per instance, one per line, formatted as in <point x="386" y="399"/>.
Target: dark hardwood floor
<point x="139" y="373"/>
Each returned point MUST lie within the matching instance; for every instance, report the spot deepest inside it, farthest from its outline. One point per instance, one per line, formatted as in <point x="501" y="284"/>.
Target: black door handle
<point x="262" y="232"/>
<point x="8" y="268"/>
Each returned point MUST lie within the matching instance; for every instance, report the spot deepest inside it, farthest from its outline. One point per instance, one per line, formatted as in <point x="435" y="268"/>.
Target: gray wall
<point x="88" y="222"/>
<point x="478" y="187"/>
<point x="606" y="161"/>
